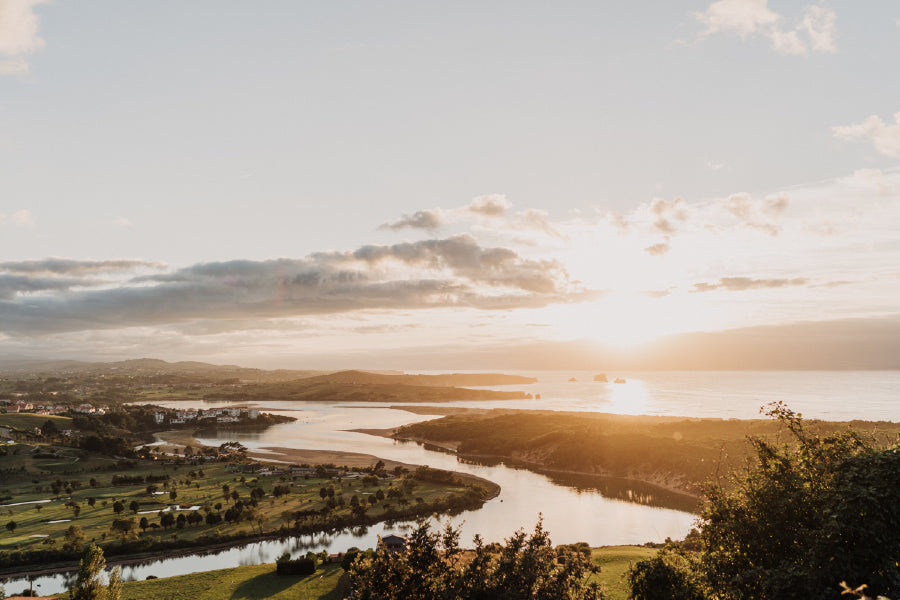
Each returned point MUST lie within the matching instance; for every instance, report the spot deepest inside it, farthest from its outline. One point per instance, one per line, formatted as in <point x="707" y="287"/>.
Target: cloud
<point x="740" y="284"/>
<point x="66" y="266"/>
<point x="464" y="257"/>
<point x="815" y="32"/>
<point x="20" y="218"/>
<point x="490" y="205"/>
<point x="16" y="285"/>
<point x="885" y="137"/>
<point x="744" y="17"/>
<point x="869" y="180"/>
<point x="660" y="249"/>
<point x="535" y="220"/>
<point x="657" y="293"/>
<point x="18" y="35"/>
<point x="666" y="212"/>
<point x="423" y="219"/>
<point x="758" y="213"/>
<point x="450" y="272"/>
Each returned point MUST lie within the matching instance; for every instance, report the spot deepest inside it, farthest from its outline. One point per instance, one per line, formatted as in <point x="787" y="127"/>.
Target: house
<point x="394" y="543"/>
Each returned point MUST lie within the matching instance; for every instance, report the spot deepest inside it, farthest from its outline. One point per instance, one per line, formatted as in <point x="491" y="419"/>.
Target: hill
<point x="444" y="380"/>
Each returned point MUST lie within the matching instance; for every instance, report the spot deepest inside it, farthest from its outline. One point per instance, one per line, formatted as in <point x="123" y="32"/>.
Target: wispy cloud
<point x="758" y="213"/>
<point x="430" y="220"/>
<point x="740" y="284"/>
<point x="67" y="266"/>
<point x="490" y="205"/>
<point x="885" y="137"/>
<point x="816" y="30"/>
<point x="19" y="26"/>
<point x="20" y="218"/>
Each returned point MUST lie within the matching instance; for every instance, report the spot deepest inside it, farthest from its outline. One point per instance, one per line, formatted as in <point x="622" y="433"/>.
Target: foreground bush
<point x="806" y="517"/>
<point x="434" y="567"/>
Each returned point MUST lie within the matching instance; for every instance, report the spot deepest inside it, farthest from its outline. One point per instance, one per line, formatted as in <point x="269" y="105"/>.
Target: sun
<point x="625" y="320"/>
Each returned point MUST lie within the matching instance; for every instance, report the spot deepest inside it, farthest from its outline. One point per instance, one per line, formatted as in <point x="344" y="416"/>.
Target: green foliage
<point x="807" y="516"/>
<point x="88" y="583"/>
<point x="298" y="566"/>
<point x="666" y="575"/>
<point x="433" y="566"/>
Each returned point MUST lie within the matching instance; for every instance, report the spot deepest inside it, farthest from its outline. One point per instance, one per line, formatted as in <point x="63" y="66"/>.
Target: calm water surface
<point x="600" y="511"/>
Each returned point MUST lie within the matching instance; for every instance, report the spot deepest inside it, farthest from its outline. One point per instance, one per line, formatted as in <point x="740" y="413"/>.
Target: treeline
<point x="108" y="445"/>
<point x="137" y="479"/>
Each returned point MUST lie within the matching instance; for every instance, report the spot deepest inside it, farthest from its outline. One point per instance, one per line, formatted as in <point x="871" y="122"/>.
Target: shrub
<point x="297" y="566"/>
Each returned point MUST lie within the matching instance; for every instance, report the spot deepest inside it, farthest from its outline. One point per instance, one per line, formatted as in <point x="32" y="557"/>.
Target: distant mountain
<point x="443" y="380"/>
<point x="149" y="367"/>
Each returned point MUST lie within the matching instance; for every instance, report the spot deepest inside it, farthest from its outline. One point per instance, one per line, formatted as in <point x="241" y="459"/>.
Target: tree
<point x="118" y="507"/>
<point x="49" y="428"/>
<point x="88" y="582"/>
<point x="11" y="526"/>
<point x="144" y="524"/>
<point x="74" y="539"/>
<point x="173" y="493"/>
<point x="807" y="516"/>
<point x="432" y="566"/>
<point x="135" y="506"/>
<point x="123" y="526"/>
<point x="166" y="519"/>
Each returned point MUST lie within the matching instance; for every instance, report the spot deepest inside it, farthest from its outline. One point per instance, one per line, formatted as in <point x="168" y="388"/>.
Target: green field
<point x="614" y="563"/>
<point x="29" y="421"/>
<point x="28" y="479"/>
<point x="253" y="582"/>
<point x="259" y="581"/>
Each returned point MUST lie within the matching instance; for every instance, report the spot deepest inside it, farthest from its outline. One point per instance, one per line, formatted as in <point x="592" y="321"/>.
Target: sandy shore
<point x="314" y="457"/>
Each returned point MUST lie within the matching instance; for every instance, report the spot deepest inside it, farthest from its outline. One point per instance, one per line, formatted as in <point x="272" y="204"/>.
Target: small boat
<point x="619" y="380"/>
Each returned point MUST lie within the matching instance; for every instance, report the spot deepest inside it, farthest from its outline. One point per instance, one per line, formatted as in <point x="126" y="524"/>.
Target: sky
<point x="405" y="184"/>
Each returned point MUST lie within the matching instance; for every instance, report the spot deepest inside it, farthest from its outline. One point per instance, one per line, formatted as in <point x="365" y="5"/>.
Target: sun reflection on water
<point x="629" y="398"/>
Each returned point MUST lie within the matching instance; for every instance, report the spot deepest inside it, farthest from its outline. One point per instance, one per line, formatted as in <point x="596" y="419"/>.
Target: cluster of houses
<point x="51" y="409"/>
<point x="221" y="415"/>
